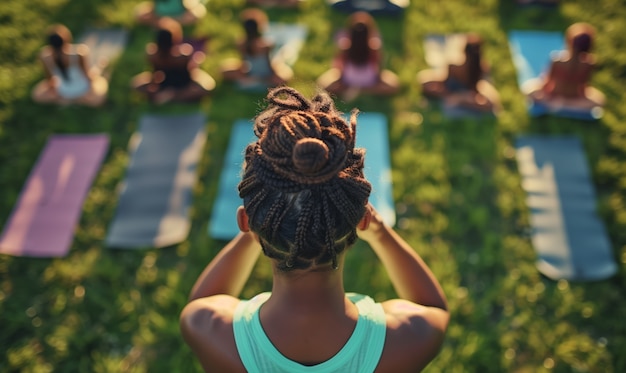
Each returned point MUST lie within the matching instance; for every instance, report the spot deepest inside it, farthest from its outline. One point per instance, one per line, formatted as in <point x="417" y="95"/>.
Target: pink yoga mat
<point x="43" y="220"/>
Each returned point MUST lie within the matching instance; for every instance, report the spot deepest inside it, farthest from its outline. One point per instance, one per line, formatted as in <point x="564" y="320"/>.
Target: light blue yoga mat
<point x="105" y="45"/>
<point x="532" y="53"/>
<point x="154" y="203"/>
<point x="570" y="240"/>
<point x="288" y="39"/>
<point x="371" y="134"/>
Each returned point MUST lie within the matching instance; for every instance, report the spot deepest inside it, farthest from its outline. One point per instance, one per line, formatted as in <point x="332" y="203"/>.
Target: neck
<point x="308" y="291"/>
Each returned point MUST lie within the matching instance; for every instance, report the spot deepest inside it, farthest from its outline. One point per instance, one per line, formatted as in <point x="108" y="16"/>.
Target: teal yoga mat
<point x="50" y="204"/>
<point x="532" y="53"/>
<point x="372" y="134"/>
<point x="156" y="195"/>
<point x="570" y="240"/>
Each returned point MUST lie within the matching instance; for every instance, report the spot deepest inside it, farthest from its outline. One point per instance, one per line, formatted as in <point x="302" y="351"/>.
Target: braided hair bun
<point x="303" y="185"/>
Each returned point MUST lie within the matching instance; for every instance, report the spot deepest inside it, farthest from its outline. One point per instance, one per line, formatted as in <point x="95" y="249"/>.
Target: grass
<point x="456" y="187"/>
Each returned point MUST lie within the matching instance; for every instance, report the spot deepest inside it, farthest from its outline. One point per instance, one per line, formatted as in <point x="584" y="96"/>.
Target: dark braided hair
<point x="303" y="186"/>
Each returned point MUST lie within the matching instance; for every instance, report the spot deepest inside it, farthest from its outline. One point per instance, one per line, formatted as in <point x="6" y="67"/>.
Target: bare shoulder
<point x="207" y="314"/>
<point x="206" y="326"/>
<point x="82" y="50"/>
<point x="415" y="334"/>
<point x="45" y="52"/>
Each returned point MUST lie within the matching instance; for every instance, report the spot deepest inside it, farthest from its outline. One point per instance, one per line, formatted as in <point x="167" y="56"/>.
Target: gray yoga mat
<point x="371" y="134"/>
<point x="154" y="203"/>
<point x="105" y="45"/>
<point x="570" y="240"/>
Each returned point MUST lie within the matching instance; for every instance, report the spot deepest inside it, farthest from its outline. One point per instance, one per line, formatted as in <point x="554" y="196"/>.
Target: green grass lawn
<point x="456" y="188"/>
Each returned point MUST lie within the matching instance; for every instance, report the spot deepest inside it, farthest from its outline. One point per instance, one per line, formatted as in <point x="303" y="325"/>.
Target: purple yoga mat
<point x="43" y="220"/>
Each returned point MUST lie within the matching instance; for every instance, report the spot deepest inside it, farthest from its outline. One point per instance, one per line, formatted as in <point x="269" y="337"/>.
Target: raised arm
<point x="228" y="272"/>
<point x="409" y="274"/>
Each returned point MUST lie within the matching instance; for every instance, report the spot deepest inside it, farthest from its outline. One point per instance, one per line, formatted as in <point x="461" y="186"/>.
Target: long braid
<point x="303" y="185"/>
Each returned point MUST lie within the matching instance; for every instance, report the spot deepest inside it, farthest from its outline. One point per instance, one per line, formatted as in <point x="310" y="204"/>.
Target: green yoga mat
<point x="371" y="134"/>
<point x="570" y="240"/>
<point x="156" y="195"/>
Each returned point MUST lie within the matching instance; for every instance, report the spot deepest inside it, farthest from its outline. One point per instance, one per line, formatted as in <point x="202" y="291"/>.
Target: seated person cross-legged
<point x="566" y="85"/>
<point x="358" y="65"/>
<point x="176" y="75"/>
<point x="462" y="85"/>
<point x="255" y="67"/>
<point x="68" y="80"/>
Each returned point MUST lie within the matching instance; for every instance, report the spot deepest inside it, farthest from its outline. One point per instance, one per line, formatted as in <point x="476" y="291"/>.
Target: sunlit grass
<point x="456" y="190"/>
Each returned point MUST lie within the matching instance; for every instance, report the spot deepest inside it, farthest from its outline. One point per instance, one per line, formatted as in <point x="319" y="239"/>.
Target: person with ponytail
<point x="176" y="75"/>
<point x="567" y="82"/>
<point x="463" y="85"/>
<point x="68" y="79"/>
<point x="305" y="203"/>
<point x="255" y="67"/>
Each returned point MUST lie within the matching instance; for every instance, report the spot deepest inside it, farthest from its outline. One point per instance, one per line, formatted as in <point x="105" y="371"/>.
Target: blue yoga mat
<point x="570" y="240"/>
<point x="153" y="207"/>
<point x="532" y="52"/>
<point x="105" y="45"/>
<point x="371" y="135"/>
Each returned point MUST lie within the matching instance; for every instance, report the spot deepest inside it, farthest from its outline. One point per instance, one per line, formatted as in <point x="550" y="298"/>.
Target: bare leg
<point x="44" y="93"/>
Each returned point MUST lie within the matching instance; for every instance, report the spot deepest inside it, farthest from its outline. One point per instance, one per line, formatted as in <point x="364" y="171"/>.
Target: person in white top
<point x="68" y="79"/>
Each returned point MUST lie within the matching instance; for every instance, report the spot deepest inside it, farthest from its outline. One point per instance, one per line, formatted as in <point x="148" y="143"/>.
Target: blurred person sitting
<point x="175" y="75"/>
<point x="566" y="86"/>
<point x="255" y="67"/>
<point x="68" y="79"/>
<point x="462" y="85"/>
<point x="358" y="65"/>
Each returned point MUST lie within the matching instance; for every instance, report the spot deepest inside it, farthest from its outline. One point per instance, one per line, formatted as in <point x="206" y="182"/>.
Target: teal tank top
<point x="169" y="8"/>
<point x="361" y="352"/>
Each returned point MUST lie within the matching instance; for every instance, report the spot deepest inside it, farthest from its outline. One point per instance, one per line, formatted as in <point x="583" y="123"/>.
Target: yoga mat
<point x="154" y="203"/>
<point x="440" y="50"/>
<point x="532" y="53"/>
<point x="105" y="45"/>
<point x="374" y="7"/>
<point x="570" y="240"/>
<point x="43" y="219"/>
<point x="288" y="39"/>
<point x="371" y="134"/>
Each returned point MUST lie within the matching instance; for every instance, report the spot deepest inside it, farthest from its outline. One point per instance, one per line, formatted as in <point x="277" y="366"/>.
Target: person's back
<point x="305" y="201"/>
<point x="569" y="75"/>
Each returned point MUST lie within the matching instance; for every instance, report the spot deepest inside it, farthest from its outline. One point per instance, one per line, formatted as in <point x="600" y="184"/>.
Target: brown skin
<point x="234" y="69"/>
<point x="567" y="84"/>
<point x="312" y="303"/>
<point x="179" y="56"/>
<point x="331" y="80"/>
<point x="481" y="97"/>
